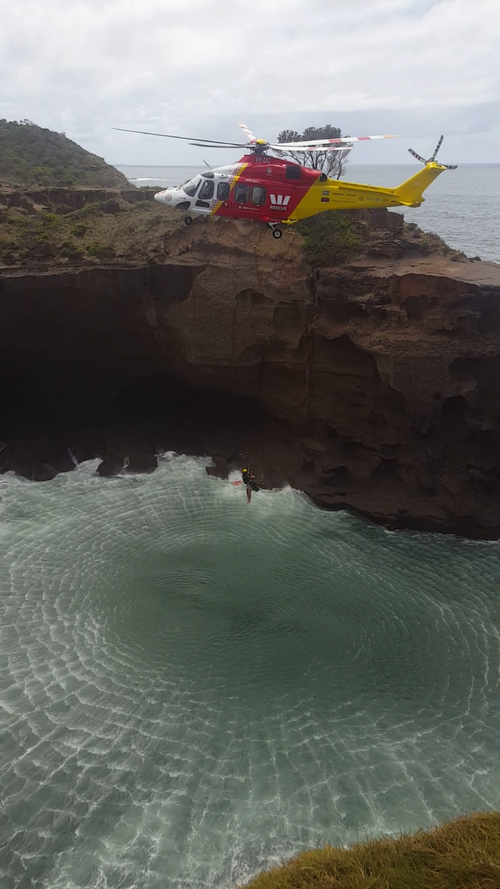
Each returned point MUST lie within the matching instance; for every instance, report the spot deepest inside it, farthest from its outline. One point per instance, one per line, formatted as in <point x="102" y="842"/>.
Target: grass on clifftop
<point x="462" y="854"/>
<point x="120" y="229"/>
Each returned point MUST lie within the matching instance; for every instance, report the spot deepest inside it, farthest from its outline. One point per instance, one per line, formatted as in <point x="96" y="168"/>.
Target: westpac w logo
<point x="279" y="201"/>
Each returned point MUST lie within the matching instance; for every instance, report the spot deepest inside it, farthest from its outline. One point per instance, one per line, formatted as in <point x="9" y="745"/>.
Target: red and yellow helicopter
<point x="277" y="191"/>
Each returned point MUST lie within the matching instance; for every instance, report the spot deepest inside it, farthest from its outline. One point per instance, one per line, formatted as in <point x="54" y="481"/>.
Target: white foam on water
<point x="194" y="688"/>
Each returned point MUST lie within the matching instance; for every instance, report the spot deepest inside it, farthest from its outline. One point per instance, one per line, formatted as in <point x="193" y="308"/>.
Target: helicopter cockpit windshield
<point x="190" y="187"/>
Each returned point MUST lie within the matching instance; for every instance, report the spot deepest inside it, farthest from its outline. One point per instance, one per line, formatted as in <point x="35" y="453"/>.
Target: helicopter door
<point x="259" y="195"/>
<point x="241" y="193"/>
<point x="223" y="191"/>
<point x="205" y="194"/>
<point x="254" y="196"/>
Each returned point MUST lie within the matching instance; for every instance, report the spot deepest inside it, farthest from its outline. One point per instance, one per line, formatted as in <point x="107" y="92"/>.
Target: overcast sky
<point x="416" y="68"/>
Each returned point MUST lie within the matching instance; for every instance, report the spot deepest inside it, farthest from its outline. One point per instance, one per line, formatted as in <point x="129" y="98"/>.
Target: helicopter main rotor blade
<point x="312" y="143"/>
<point x="220" y="144"/>
<point x="312" y="148"/>
<point x="248" y="132"/>
<point x="184" y="138"/>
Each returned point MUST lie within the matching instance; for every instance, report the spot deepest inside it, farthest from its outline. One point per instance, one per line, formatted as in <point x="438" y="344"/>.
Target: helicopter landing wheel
<point x="188" y="220"/>
<point x="277" y="233"/>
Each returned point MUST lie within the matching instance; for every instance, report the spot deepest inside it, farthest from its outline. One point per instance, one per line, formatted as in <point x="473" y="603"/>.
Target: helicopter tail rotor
<point x="418" y="156"/>
<point x="432" y="158"/>
<point x="438" y="146"/>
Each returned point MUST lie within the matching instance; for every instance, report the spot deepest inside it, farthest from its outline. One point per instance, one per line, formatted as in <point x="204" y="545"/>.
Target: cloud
<point x="188" y="66"/>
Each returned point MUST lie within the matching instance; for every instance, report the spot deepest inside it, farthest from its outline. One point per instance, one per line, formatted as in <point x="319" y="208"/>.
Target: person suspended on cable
<point x="249" y="482"/>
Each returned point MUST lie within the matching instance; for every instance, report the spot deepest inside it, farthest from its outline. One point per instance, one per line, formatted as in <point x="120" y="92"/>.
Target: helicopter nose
<point x="163" y="197"/>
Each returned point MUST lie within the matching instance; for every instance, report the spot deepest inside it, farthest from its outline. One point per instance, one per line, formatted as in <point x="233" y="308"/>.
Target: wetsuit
<point x="249" y="482"/>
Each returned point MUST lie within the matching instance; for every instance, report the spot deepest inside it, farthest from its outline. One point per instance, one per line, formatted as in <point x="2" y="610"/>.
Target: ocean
<point x="193" y="689"/>
<point x="462" y="206"/>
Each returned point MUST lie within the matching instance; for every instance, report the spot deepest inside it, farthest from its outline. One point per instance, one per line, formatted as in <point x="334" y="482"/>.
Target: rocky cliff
<point x="370" y="386"/>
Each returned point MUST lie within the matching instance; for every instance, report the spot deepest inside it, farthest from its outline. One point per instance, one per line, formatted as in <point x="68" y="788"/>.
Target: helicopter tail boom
<point x="410" y="192"/>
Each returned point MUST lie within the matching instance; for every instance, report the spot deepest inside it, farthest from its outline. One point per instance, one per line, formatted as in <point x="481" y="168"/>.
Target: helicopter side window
<point x="241" y="194"/>
<point x="207" y="190"/>
<point x="190" y="188"/>
<point x="223" y="190"/>
<point x="292" y="171"/>
<point x="259" y="195"/>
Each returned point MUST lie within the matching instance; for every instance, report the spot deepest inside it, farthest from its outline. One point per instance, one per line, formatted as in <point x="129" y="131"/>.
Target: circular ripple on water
<point x="193" y="688"/>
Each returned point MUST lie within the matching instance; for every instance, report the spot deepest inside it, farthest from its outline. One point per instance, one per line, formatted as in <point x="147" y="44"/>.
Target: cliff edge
<point x="370" y="385"/>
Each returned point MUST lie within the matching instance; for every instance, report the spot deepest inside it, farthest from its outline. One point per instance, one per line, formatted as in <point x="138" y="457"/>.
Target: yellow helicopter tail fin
<point x="410" y="193"/>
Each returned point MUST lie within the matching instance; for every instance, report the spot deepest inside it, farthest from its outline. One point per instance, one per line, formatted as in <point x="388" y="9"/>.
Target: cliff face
<point x="372" y="386"/>
<point x="65" y="200"/>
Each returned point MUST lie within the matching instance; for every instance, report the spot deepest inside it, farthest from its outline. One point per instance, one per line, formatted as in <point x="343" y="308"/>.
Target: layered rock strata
<point x="371" y="386"/>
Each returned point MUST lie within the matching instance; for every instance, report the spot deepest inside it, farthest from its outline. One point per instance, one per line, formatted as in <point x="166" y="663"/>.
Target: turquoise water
<point x="193" y="688"/>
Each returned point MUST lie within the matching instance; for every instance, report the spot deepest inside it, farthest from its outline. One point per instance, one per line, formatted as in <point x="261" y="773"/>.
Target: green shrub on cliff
<point x="7" y="252"/>
<point x="52" y="220"/>
<point x="71" y="250"/>
<point x="329" y="238"/>
<point x="79" y="230"/>
<point x="92" y="209"/>
<point x="34" y="156"/>
<point x="463" y="854"/>
<point x="101" y="251"/>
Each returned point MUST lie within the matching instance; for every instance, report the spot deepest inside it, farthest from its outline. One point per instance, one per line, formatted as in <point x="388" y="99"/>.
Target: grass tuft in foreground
<point x="462" y="854"/>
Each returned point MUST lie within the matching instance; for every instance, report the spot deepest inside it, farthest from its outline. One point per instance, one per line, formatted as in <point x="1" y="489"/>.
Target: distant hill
<point x="31" y="156"/>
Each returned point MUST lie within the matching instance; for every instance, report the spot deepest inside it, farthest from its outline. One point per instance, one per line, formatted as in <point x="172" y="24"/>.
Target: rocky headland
<point x="35" y="156"/>
<point x="361" y="370"/>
